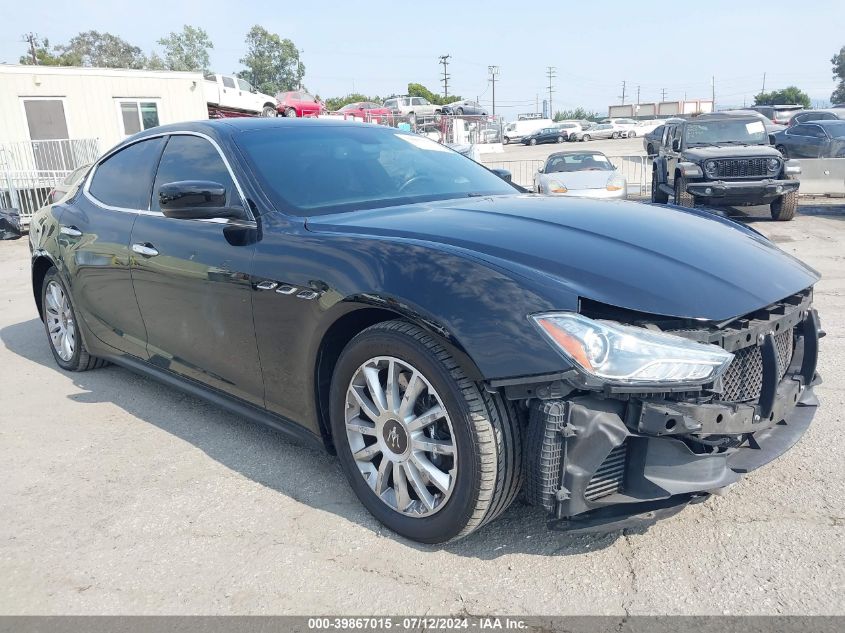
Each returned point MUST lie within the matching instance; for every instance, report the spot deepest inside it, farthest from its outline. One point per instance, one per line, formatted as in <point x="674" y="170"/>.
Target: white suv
<point x="412" y="107"/>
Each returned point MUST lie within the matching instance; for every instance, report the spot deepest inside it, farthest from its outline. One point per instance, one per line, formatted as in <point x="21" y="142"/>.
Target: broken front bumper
<point x="601" y="462"/>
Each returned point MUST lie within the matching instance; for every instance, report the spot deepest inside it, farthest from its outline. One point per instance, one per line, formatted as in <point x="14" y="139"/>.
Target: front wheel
<point x="533" y="141"/>
<point x="62" y="327"/>
<point x="632" y="134"/>
<point x="560" y="139"/>
<point x="430" y="453"/>
<point x="268" y="111"/>
<point x="614" y="135"/>
<point x="586" y="137"/>
<point x="290" y="113"/>
<point x="682" y="197"/>
<point x="784" y="208"/>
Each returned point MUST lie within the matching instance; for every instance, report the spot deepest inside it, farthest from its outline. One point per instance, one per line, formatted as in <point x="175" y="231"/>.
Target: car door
<point x="799" y="141"/>
<point x="818" y="142"/>
<point x="673" y="156"/>
<point x="229" y="92"/>
<point x="248" y="98"/>
<point x="95" y="236"/>
<point x="192" y="279"/>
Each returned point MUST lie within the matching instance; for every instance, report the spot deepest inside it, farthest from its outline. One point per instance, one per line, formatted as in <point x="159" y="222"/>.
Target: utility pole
<point x="713" y="91"/>
<point x="551" y="72"/>
<point x="663" y="94"/>
<point x="444" y="59"/>
<point x="764" y="83"/>
<point x="30" y="38"/>
<point x="494" y="72"/>
<point x="638" y="95"/>
<point x="623" y="93"/>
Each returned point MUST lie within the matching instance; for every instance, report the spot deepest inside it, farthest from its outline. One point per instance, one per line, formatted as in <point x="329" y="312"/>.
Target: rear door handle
<point x="147" y="250"/>
<point x="71" y="231"/>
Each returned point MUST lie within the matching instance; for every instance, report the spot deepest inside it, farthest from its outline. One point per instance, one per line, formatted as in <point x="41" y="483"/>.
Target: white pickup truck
<point x="233" y="96"/>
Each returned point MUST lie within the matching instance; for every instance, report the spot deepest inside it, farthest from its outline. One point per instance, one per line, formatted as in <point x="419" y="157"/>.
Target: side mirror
<point x="676" y="145"/>
<point x="504" y="174"/>
<point x="195" y="200"/>
<point x="540" y="171"/>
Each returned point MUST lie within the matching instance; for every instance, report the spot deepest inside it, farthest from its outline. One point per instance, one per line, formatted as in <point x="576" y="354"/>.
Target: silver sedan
<point x="585" y="174"/>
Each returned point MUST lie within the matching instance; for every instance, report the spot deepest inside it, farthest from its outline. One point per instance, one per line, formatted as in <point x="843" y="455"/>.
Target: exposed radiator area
<point x="610" y="476"/>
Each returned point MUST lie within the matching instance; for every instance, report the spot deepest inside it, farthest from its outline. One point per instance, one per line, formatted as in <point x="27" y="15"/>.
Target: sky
<point x="377" y="48"/>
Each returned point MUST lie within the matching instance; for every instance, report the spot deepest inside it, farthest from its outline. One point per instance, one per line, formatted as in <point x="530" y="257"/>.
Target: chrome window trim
<point x="147" y="211"/>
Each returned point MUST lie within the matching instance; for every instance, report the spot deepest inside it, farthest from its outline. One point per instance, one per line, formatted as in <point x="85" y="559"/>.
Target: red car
<point x="370" y="112"/>
<point x="298" y="104"/>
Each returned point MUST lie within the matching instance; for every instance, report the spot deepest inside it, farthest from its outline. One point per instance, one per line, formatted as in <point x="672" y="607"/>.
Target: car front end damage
<point x="604" y="456"/>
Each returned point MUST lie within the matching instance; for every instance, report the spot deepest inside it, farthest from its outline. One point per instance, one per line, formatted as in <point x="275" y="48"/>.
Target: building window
<point x="137" y="115"/>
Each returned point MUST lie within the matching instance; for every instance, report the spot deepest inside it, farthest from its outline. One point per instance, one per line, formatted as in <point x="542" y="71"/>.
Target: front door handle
<point x="147" y="250"/>
<point x="71" y="231"/>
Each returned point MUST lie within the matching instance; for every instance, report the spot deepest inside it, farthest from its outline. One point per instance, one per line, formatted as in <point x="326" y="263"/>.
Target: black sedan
<point x="812" y="139"/>
<point x="546" y="135"/>
<point x="453" y="340"/>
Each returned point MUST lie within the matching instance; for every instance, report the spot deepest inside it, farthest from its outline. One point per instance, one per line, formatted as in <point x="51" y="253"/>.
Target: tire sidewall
<point x="73" y="363"/>
<point x="447" y="522"/>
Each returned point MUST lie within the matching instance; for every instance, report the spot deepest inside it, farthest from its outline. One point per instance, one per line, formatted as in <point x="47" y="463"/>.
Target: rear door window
<point x="125" y="178"/>
<point x="228" y="82"/>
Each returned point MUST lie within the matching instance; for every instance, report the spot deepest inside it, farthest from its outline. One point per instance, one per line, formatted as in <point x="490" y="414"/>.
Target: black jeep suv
<point x="724" y="160"/>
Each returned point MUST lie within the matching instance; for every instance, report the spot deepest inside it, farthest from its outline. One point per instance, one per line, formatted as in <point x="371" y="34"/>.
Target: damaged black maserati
<point x="455" y="341"/>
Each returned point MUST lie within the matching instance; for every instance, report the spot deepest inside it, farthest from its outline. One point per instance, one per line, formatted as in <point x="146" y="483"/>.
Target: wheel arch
<point x="348" y="325"/>
<point x="40" y="265"/>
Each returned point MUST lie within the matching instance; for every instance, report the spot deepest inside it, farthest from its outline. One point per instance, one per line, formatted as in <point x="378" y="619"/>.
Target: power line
<point x="444" y="59"/>
<point x="552" y="73"/>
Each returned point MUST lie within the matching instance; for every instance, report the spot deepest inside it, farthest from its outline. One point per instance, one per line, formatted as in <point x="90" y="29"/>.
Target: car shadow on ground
<point x="269" y="458"/>
<point x="753" y="215"/>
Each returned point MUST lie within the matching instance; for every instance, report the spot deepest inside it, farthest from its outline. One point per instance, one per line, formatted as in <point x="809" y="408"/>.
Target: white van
<point x="516" y="130"/>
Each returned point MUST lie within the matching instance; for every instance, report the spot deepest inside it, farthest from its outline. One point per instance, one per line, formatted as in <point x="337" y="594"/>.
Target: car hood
<point x="729" y="151"/>
<point x="581" y="179"/>
<point x="651" y="258"/>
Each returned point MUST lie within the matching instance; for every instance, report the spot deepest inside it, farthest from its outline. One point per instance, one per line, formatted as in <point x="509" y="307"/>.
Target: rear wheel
<point x="290" y="113"/>
<point x="506" y="140"/>
<point x="560" y="139"/>
<point x="657" y="194"/>
<point x="614" y="135"/>
<point x="682" y="197"/>
<point x="532" y="141"/>
<point x="62" y="329"/>
<point x="430" y="453"/>
<point x="632" y="134"/>
<point x="460" y="110"/>
<point x="586" y="137"/>
<point x="268" y="111"/>
<point x="650" y="150"/>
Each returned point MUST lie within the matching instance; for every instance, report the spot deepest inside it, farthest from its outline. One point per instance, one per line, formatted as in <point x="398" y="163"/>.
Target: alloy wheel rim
<point x="60" y="322"/>
<point x="401" y="436"/>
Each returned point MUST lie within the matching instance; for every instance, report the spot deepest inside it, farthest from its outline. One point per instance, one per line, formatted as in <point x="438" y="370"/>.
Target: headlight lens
<point x="555" y="187"/>
<point x="629" y="355"/>
<point x="615" y="183"/>
<point x="710" y="167"/>
<point x="773" y="164"/>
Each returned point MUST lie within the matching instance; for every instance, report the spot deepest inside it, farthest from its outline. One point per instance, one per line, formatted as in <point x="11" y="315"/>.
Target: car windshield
<point x="582" y="161"/>
<point x="316" y="170"/>
<point x="726" y="131"/>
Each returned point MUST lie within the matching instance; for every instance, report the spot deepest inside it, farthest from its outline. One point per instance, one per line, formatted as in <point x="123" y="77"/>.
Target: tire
<point x="560" y="139"/>
<point x="632" y="134"/>
<point x="783" y="151"/>
<point x="657" y="194"/>
<point x="460" y="111"/>
<point x="783" y="209"/>
<point x="682" y="197"/>
<point x="74" y="356"/>
<point x="290" y="113"/>
<point x="482" y="428"/>
<point x="532" y="141"/>
<point x="614" y="135"/>
<point x="650" y="150"/>
<point x="269" y="111"/>
<point x="412" y="118"/>
<point x="506" y="140"/>
<point x="586" y="137"/>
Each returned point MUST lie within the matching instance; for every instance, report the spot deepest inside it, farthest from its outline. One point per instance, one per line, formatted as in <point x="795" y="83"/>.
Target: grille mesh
<point x="743" y="379"/>
<point x="610" y="476"/>
<point x="741" y="167"/>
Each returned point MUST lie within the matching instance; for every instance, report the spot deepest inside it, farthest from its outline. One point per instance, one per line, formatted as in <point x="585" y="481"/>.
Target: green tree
<point x="418" y="90"/>
<point x="576" y="115"/>
<point x="272" y="63"/>
<point x="838" y="62"/>
<point x="787" y="96"/>
<point x="92" y="48"/>
<point x="43" y="56"/>
<point x="186" y="51"/>
<point x="336" y="103"/>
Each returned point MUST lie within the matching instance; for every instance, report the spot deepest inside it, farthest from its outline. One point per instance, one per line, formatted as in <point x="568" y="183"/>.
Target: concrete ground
<point x="123" y="496"/>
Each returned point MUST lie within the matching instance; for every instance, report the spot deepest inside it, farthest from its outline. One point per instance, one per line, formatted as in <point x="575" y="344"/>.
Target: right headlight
<point x="555" y="186"/>
<point x="710" y="167"/>
<point x="628" y="355"/>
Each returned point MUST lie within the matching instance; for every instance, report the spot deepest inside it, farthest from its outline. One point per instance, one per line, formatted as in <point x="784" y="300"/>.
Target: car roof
<point x="569" y="152"/>
<point x="724" y="116"/>
<point x="825" y="122"/>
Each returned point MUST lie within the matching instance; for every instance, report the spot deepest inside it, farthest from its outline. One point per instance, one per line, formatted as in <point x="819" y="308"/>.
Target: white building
<point x="54" y="119"/>
<point x="109" y="104"/>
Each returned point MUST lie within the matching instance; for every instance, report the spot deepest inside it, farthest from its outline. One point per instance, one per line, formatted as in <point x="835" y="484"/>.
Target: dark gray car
<point x="815" y="139"/>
